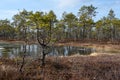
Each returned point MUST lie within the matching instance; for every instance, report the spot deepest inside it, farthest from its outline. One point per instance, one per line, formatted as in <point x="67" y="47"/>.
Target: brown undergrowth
<point x="100" y="67"/>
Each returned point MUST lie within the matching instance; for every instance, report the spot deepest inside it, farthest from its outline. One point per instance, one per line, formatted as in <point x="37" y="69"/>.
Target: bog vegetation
<point x="45" y="29"/>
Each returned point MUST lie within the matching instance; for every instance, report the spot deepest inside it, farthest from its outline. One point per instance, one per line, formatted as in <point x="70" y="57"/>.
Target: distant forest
<point x="25" y="24"/>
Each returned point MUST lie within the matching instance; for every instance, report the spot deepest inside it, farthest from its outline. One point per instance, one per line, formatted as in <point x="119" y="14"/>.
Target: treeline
<point x="70" y="27"/>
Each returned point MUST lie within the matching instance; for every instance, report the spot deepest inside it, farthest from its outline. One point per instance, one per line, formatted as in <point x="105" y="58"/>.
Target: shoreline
<point x="100" y="48"/>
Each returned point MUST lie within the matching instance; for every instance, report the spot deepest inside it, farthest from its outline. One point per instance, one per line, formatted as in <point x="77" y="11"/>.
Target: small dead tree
<point x="21" y="24"/>
<point x="24" y="49"/>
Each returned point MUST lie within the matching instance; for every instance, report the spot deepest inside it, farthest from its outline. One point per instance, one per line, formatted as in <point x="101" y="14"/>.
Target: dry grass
<point x="102" y="67"/>
<point x="94" y="67"/>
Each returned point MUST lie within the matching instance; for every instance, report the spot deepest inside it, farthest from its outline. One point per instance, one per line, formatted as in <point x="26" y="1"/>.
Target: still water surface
<point x="33" y="50"/>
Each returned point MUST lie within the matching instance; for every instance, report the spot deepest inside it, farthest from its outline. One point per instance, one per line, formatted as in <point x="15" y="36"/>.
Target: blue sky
<point x="8" y="8"/>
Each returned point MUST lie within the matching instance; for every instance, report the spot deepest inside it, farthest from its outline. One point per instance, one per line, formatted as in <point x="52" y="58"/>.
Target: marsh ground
<point x="93" y="67"/>
<point x="100" y="65"/>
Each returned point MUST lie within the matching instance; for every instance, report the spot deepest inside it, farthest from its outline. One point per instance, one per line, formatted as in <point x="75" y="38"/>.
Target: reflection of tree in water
<point x="5" y="52"/>
<point x="60" y="51"/>
<point x="85" y="51"/>
<point x="65" y="50"/>
<point x="72" y="50"/>
<point x="69" y="50"/>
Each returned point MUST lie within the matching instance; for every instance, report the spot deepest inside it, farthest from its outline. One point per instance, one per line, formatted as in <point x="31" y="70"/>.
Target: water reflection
<point x="70" y="50"/>
<point x="33" y="50"/>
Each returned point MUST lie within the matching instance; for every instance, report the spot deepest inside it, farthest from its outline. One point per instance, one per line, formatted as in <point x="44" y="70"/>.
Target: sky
<point x="8" y="8"/>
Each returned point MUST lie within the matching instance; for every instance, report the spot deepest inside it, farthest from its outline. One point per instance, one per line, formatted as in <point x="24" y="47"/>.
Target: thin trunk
<point x="23" y="62"/>
<point x="24" y="50"/>
<point x="43" y="58"/>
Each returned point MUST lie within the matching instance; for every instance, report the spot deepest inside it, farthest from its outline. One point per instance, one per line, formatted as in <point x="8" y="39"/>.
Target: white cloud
<point x="67" y="3"/>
